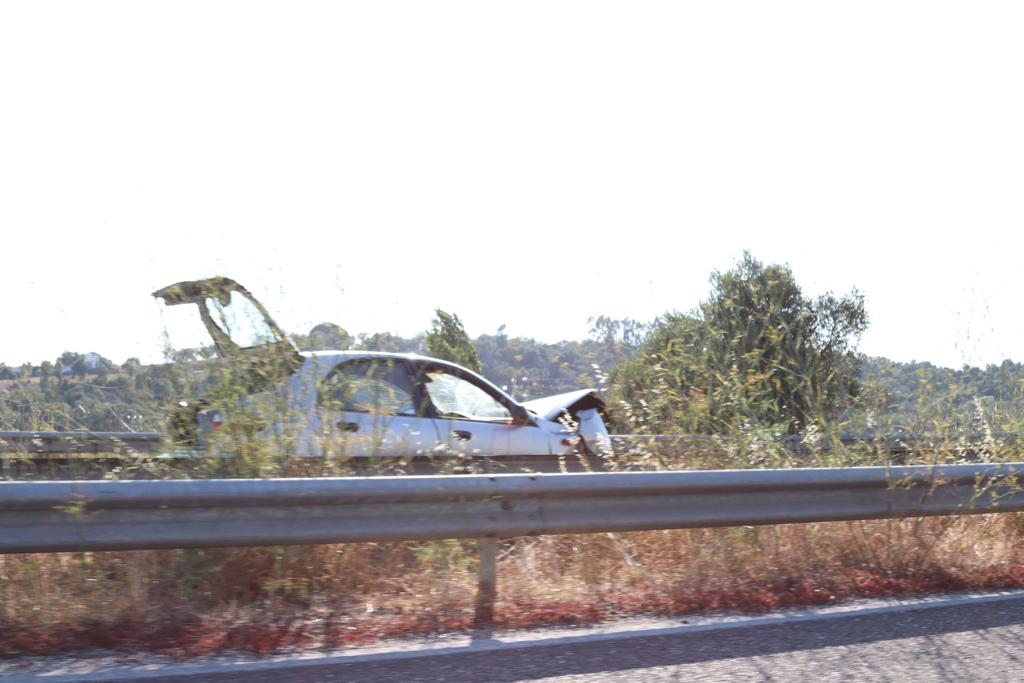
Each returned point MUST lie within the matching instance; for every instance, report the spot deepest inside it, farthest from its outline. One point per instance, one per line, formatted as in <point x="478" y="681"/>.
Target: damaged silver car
<point x="363" y="404"/>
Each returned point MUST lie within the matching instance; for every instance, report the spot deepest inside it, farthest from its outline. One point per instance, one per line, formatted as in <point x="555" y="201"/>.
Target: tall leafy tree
<point x="447" y="340"/>
<point x="756" y="352"/>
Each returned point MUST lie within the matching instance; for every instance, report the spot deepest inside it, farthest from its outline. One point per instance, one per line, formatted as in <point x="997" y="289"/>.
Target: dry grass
<point x="265" y="599"/>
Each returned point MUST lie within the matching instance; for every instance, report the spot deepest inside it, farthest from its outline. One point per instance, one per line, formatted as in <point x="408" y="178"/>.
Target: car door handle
<point x="348" y="426"/>
<point x="462" y="434"/>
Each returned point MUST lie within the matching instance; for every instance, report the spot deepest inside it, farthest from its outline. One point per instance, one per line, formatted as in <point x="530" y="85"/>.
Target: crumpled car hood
<point x="552" y="407"/>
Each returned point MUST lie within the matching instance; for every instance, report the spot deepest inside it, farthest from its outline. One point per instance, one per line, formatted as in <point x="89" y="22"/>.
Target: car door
<point x="369" y="407"/>
<point x="474" y="418"/>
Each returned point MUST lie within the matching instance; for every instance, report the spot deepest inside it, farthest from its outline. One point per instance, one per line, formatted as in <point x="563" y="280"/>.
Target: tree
<point x="392" y="343"/>
<point x="447" y="340"/>
<point x="328" y="336"/>
<point x="756" y="352"/>
<point x="67" y="361"/>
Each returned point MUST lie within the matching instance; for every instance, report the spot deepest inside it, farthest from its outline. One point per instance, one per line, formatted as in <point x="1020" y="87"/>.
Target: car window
<point x="379" y="387"/>
<point x="241" y="321"/>
<point x="456" y="397"/>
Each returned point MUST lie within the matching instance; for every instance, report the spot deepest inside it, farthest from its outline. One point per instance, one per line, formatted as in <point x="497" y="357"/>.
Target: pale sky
<point x="531" y="164"/>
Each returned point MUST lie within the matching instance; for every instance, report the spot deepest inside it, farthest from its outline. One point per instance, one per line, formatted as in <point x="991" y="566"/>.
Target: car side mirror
<point x="520" y="415"/>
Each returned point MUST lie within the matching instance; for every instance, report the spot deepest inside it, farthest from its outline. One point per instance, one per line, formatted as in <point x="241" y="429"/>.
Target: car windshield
<point x="455" y="397"/>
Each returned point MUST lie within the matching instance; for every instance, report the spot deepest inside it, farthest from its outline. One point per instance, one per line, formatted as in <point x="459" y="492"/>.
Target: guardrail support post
<point x="487" y="583"/>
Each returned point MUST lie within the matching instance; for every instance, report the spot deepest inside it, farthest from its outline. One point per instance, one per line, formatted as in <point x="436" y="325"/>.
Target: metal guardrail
<point x="906" y="444"/>
<point x="80" y="442"/>
<point x="92" y="455"/>
<point x="43" y="516"/>
<point x="94" y="463"/>
<point x="152" y="442"/>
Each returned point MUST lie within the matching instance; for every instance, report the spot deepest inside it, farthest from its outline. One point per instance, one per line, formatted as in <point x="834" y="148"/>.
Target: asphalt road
<point x="966" y="641"/>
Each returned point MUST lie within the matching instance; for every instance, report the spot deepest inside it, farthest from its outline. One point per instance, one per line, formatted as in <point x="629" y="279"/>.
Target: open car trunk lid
<point x="242" y="330"/>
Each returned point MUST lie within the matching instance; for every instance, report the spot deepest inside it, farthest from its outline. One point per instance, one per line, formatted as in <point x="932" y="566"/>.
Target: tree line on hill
<point x="755" y="354"/>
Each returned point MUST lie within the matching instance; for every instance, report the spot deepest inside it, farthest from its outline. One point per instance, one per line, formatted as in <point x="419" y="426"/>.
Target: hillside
<point x="99" y="395"/>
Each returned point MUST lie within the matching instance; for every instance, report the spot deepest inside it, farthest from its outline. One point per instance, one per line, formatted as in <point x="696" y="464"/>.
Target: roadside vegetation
<point x="186" y="603"/>
<point x="758" y="375"/>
